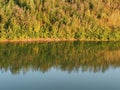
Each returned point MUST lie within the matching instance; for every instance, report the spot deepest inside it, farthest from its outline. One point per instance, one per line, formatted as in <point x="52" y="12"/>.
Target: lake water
<point x="60" y="66"/>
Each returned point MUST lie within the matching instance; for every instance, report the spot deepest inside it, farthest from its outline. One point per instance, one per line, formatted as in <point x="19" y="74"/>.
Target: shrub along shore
<point x="57" y="20"/>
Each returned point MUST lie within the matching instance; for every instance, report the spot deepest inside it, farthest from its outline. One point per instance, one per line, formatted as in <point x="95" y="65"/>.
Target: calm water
<point x="60" y="66"/>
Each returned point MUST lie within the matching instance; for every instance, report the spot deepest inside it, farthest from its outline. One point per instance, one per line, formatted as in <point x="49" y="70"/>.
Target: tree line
<point x="78" y="19"/>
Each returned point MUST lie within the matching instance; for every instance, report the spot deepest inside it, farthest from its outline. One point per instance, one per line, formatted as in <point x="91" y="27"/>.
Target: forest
<point x="91" y="20"/>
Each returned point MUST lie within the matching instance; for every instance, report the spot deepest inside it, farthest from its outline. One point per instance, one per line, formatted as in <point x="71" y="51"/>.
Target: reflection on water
<point x="66" y="56"/>
<point x="60" y="66"/>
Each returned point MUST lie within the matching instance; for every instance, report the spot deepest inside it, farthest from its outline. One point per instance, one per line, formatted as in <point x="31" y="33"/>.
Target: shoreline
<point x="37" y="40"/>
<point x="52" y="40"/>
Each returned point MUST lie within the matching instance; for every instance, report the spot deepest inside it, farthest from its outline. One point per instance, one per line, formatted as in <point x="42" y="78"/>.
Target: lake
<point x="60" y="66"/>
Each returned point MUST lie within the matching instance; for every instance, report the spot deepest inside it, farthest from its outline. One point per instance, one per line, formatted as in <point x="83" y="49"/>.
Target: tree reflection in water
<point x="66" y="56"/>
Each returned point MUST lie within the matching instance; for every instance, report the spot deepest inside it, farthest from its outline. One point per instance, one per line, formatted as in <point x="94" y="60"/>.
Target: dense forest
<point x="60" y="19"/>
<point x="66" y="56"/>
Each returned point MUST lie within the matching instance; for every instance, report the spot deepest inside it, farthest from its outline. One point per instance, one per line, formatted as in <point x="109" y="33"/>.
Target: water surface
<point x="60" y="66"/>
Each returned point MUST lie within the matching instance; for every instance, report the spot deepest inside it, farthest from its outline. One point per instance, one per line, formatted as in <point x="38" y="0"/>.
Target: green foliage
<point x="79" y="19"/>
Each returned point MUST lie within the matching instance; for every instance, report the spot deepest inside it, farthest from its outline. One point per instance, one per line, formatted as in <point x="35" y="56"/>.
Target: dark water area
<point x="60" y="66"/>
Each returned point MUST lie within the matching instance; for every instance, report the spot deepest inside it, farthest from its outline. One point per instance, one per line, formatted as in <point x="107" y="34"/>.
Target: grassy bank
<point x="60" y="19"/>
